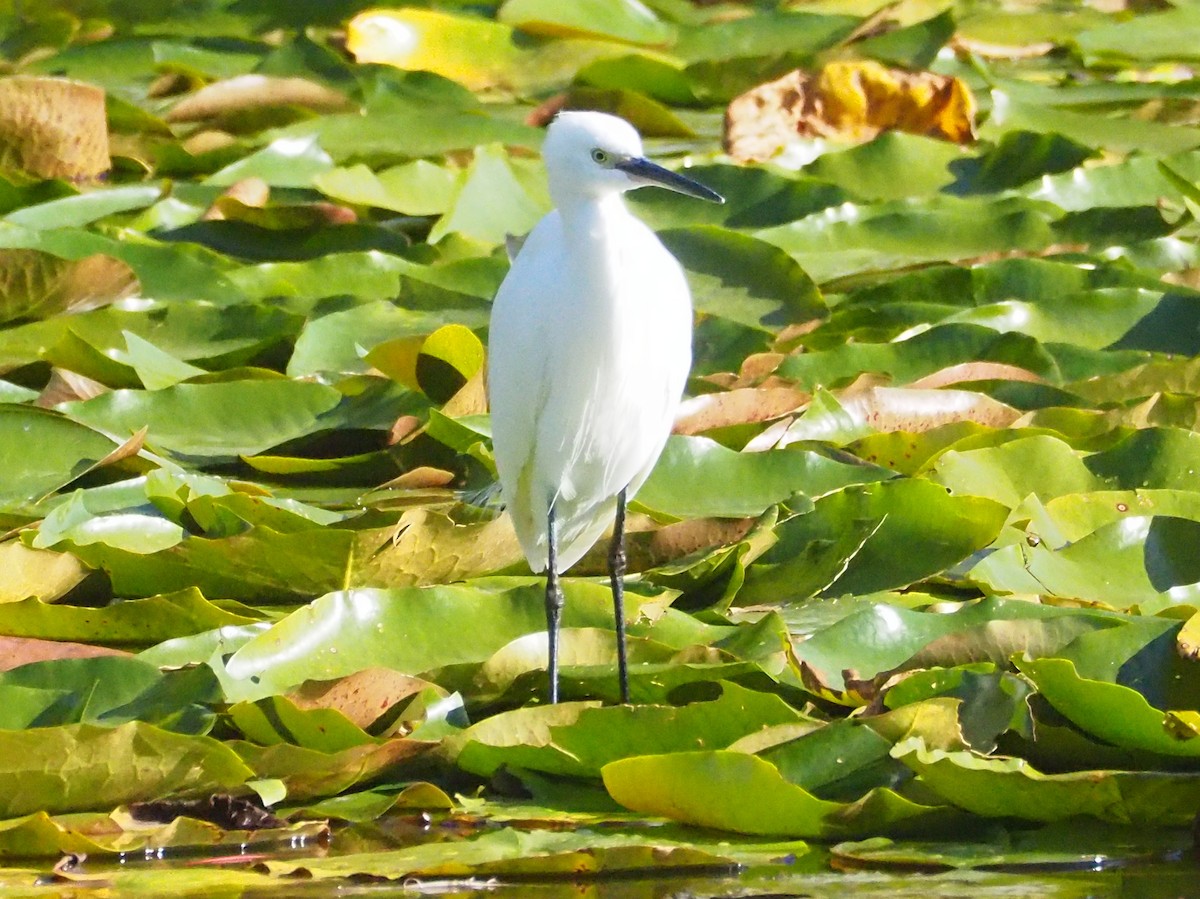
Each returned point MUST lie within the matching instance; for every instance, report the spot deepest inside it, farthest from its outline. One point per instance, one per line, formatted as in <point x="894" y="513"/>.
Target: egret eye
<point x="600" y="157"/>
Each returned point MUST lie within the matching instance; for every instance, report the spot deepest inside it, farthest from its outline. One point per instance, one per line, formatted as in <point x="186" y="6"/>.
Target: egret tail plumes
<point x="590" y="347"/>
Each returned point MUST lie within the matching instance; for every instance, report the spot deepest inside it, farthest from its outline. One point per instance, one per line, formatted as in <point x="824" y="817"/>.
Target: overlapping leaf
<point x="920" y="561"/>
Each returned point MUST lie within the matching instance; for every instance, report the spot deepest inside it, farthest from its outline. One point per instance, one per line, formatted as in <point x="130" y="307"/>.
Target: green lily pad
<point x="1114" y="713"/>
<point x="1012" y="788"/>
<point x="742" y="793"/>
<point x="82" y="767"/>
<point x="579" y="739"/>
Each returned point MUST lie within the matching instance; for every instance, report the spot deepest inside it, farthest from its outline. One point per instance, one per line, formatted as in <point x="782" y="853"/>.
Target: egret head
<point x="591" y="154"/>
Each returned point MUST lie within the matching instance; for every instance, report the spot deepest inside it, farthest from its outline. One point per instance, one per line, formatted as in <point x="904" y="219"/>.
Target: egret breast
<point x="592" y="332"/>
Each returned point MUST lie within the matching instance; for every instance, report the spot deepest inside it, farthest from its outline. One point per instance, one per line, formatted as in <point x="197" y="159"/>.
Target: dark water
<point x="1053" y="862"/>
<point x="1148" y="882"/>
<point x="812" y="877"/>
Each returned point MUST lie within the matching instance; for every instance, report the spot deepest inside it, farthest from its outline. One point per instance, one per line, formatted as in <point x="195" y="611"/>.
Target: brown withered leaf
<point x="770" y="436"/>
<point x="647" y="543"/>
<point x="35" y="284"/>
<point x="131" y="447"/>
<point x="849" y="102"/>
<point x="758" y="366"/>
<point x="17" y="651"/>
<point x="543" y="114"/>
<point x="403" y="428"/>
<point x="253" y="192"/>
<point x="66" y="386"/>
<point x="888" y="409"/>
<point x="421" y="478"/>
<point x="976" y="371"/>
<point x="909" y="409"/>
<point x="471" y="398"/>
<point x="245" y="92"/>
<point x="362" y="697"/>
<point x="755" y="371"/>
<point x="746" y="405"/>
<point x="674" y="541"/>
<point x="53" y="127"/>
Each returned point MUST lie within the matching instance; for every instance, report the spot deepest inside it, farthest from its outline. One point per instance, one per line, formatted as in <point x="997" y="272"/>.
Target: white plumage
<point x="590" y="344"/>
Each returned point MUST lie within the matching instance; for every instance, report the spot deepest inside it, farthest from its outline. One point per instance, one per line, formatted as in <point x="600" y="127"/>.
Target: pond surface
<point x="1163" y="866"/>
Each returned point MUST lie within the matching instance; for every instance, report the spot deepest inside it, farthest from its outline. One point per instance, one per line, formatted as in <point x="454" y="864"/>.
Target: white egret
<point x="589" y="351"/>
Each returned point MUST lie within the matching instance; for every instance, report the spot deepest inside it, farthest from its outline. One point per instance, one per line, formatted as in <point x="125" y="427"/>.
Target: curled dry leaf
<point x="769" y="438"/>
<point x="471" y="398"/>
<point x="53" y="127"/>
<point x="256" y="92"/>
<point x="66" y="386"/>
<point x="421" y="478"/>
<point x="757" y="366"/>
<point x="252" y="192"/>
<point x="543" y="114"/>
<point x="362" y="697"/>
<point x="34" y="284"/>
<point x="129" y="448"/>
<point x="404" y="427"/>
<point x="848" y="102"/>
<point x="747" y="405"/>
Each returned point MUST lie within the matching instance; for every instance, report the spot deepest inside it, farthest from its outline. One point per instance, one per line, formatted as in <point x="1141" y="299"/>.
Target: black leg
<point x="554" y="600"/>
<point x="616" y="574"/>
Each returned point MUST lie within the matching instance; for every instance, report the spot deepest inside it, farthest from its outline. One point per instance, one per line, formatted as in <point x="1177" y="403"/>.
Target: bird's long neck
<point x="589" y="218"/>
<point x="595" y="233"/>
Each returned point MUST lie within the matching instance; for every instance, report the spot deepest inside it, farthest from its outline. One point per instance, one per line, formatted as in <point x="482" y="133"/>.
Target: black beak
<point x="641" y="169"/>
